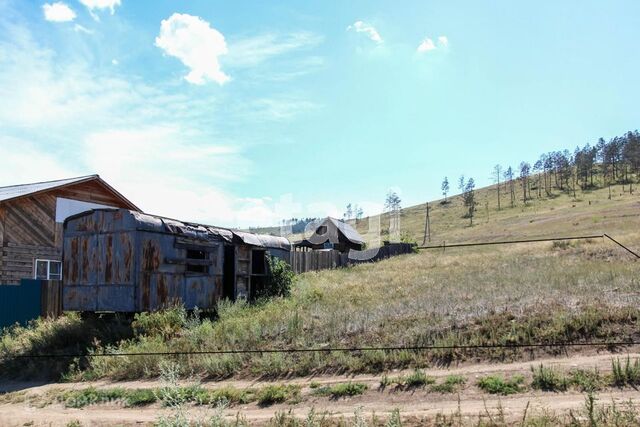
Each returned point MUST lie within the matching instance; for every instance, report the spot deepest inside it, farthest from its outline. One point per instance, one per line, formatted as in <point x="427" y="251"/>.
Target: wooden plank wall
<point x="51" y="299"/>
<point x="303" y="261"/>
<point x="29" y="234"/>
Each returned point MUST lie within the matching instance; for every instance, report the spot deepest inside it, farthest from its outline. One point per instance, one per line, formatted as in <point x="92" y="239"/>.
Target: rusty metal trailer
<point x="117" y="260"/>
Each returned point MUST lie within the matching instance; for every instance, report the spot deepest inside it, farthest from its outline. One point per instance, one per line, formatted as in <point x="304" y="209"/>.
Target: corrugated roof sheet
<point x="263" y="240"/>
<point x="14" y="191"/>
<point x="349" y="232"/>
<point x="155" y="223"/>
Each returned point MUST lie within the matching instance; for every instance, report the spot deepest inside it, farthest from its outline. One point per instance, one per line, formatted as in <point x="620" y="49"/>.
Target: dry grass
<point x="590" y="212"/>
<point x="584" y="290"/>
<point x="498" y="296"/>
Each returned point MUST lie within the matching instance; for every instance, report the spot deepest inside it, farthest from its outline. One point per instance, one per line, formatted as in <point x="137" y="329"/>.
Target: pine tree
<point x="445" y="188"/>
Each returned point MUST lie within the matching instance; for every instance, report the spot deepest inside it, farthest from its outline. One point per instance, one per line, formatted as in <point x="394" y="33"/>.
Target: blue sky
<point x="243" y="113"/>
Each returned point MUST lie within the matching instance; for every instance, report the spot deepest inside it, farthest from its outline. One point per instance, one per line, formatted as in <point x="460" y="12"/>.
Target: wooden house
<point x="334" y="234"/>
<point x="31" y="218"/>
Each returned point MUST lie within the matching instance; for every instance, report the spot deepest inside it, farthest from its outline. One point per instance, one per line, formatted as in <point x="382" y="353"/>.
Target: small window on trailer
<point x="199" y="266"/>
<point x="46" y="269"/>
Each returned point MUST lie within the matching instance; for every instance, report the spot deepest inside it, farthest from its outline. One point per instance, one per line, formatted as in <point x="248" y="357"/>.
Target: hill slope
<point x="557" y="215"/>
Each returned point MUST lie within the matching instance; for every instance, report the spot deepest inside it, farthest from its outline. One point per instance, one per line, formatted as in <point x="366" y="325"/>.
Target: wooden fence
<point x="301" y="262"/>
<point x="51" y="298"/>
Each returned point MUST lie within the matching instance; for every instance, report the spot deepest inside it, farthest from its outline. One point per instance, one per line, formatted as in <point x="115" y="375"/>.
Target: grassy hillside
<point x="560" y="214"/>
<point x="590" y="212"/>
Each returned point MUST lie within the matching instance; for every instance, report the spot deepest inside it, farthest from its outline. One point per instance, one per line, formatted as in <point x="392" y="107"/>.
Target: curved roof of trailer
<point x="159" y="224"/>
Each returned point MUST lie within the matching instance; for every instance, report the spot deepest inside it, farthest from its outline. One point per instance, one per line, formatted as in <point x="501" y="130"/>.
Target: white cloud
<point x="368" y="29"/>
<point x="194" y="42"/>
<point x="81" y="29"/>
<point x="158" y="164"/>
<point x="101" y="4"/>
<point x="58" y="12"/>
<point x="426" y="45"/>
<point x="252" y="51"/>
<point x="65" y="116"/>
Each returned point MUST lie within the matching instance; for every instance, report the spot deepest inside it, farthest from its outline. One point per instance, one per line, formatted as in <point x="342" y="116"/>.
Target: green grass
<point x="140" y="397"/>
<point x="625" y="373"/>
<point x="92" y="396"/>
<point x="337" y="391"/>
<point x="417" y="379"/>
<point x="451" y="384"/>
<point x="548" y="379"/>
<point x="273" y="394"/>
<point x="587" y="380"/>
<point x="497" y="384"/>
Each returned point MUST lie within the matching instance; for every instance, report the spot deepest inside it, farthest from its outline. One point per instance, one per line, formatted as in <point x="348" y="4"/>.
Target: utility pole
<point x="427" y="228"/>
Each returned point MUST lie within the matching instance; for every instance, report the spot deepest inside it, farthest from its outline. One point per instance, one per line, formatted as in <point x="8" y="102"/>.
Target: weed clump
<point x="548" y="379"/>
<point x="625" y="374"/>
<point x="497" y="384"/>
<point x="342" y="390"/>
<point x="450" y="385"/>
<point x="273" y="394"/>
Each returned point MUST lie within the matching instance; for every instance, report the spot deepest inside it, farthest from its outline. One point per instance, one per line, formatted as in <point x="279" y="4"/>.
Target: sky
<point x="244" y="113"/>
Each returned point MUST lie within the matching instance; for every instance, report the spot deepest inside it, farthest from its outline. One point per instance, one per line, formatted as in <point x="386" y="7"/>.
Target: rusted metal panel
<point x="119" y="260"/>
<point x="115" y="298"/>
<point x="79" y="298"/>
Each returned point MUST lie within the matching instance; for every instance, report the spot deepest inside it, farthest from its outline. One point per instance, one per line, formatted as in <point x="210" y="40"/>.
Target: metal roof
<point x="263" y="240"/>
<point x="159" y="224"/>
<point x="347" y="230"/>
<point x="16" y="191"/>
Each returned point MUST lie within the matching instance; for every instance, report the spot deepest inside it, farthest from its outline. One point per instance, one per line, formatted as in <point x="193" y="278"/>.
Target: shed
<point x="332" y="233"/>
<point x="31" y="217"/>
<point x="117" y="260"/>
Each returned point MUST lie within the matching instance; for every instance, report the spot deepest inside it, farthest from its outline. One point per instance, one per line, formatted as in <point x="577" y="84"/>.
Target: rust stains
<point x="85" y="258"/>
<point x="150" y="256"/>
<point x="128" y="256"/>
<point x="162" y="290"/>
<point x="108" y="266"/>
<point x="74" y="263"/>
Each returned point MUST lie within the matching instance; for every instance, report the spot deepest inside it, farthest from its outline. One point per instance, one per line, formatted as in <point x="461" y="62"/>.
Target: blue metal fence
<point x="20" y="303"/>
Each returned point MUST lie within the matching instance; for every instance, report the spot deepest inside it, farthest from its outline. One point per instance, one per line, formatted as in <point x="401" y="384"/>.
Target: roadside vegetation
<point x="516" y="295"/>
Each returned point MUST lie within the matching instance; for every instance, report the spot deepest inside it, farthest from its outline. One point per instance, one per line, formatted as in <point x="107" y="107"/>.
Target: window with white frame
<point x="46" y="269"/>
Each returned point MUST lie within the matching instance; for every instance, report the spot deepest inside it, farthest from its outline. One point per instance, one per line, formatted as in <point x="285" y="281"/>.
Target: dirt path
<point x="415" y="404"/>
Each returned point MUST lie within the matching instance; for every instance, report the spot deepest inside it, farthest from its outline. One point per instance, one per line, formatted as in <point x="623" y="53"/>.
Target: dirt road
<point x="413" y="404"/>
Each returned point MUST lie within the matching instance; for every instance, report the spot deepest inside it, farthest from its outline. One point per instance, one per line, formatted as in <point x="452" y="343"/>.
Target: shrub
<point x="165" y="323"/>
<point x="140" y="397"/>
<point x="627" y="374"/>
<point x="417" y="379"/>
<point x="548" y="379"/>
<point x="342" y="390"/>
<point x="450" y="384"/>
<point x="91" y="396"/>
<point x="586" y="381"/>
<point x="497" y="384"/>
<point x="280" y="279"/>
<point x="272" y="394"/>
<point x="231" y="395"/>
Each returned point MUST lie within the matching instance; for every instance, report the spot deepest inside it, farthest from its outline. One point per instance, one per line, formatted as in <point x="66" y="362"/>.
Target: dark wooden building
<point x="332" y="233"/>
<point x="31" y="218"/>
